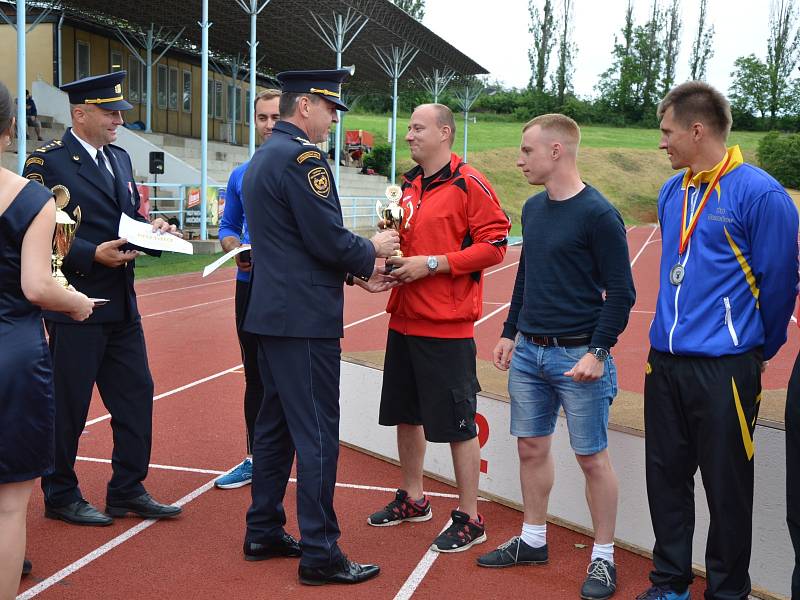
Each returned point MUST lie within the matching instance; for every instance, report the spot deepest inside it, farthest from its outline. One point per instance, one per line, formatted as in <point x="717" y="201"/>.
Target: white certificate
<point x="219" y="262"/>
<point x="142" y="235"/>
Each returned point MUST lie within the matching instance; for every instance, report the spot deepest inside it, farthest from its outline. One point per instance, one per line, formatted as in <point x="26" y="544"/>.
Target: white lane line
<point x="166" y="312"/>
<point x="365" y="319"/>
<point x="419" y="572"/>
<point x="180" y="289"/>
<point x="629" y="229"/>
<point x="503" y="268"/>
<point x="155" y="466"/>
<point x="493" y="313"/>
<point x="635" y="258"/>
<point x="643" y="312"/>
<point x="175" y="391"/>
<point x="105" y="548"/>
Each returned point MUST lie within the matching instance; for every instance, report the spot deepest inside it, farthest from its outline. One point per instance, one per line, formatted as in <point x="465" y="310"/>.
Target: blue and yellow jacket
<point x="740" y="265"/>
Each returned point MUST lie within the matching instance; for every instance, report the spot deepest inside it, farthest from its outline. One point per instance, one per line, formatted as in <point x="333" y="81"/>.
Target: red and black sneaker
<point x="401" y="509"/>
<point x="462" y="534"/>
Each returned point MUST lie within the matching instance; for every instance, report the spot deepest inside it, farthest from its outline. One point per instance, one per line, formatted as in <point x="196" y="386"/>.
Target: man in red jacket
<point x="455" y="228"/>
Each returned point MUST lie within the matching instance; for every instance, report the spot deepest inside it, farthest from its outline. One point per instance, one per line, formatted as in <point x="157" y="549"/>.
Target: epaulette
<point x="50" y="146"/>
<point x="303" y="141"/>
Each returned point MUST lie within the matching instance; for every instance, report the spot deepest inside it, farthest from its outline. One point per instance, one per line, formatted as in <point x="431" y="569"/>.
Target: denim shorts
<point x="538" y="388"/>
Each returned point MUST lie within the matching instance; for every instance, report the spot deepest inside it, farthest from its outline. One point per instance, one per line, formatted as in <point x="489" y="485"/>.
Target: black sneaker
<point x="514" y="552"/>
<point x="601" y="581"/>
<point x="401" y="509"/>
<point x="462" y="534"/>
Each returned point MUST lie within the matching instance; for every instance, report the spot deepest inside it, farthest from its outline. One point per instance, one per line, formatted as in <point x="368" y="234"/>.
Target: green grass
<point x="172" y="263"/>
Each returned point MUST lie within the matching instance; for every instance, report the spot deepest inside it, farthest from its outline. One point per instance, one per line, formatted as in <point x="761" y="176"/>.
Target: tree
<point x="566" y="52"/>
<point x="651" y="52"/>
<point x="783" y="53"/>
<point x="749" y="91"/>
<point x="617" y="83"/>
<point x="701" y="49"/>
<point x="543" y="29"/>
<point x="416" y="8"/>
<point x="671" y="40"/>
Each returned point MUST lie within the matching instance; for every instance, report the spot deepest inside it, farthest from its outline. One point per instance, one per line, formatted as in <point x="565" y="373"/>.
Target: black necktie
<point x="101" y="163"/>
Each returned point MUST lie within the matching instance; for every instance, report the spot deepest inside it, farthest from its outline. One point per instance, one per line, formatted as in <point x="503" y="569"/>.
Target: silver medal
<point x="676" y="274"/>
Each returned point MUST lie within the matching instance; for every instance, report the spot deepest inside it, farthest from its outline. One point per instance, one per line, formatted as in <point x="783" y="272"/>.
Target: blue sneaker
<point x="237" y="477"/>
<point x="660" y="592"/>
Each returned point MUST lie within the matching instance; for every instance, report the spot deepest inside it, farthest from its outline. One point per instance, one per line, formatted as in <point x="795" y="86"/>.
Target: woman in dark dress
<point x="27" y="221"/>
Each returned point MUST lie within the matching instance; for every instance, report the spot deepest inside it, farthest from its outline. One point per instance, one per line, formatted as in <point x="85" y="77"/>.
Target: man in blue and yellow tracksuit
<point x="727" y="287"/>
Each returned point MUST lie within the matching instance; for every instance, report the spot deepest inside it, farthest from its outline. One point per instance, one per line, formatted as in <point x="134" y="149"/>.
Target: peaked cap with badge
<point x="326" y="83"/>
<point x="104" y="91"/>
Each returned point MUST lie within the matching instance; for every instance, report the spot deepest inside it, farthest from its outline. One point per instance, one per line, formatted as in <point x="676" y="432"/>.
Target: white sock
<point x="534" y="536"/>
<point x="604" y="551"/>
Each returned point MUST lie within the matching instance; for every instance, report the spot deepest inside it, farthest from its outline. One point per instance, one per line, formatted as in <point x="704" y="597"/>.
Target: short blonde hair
<point x="267" y="94"/>
<point x="564" y="128"/>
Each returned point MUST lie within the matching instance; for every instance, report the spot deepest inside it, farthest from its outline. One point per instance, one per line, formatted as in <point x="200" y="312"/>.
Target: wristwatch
<point x="433" y="264"/>
<point x="600" y="354"/>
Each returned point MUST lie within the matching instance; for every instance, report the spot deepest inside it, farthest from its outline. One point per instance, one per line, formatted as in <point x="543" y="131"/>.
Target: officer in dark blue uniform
<point x="302" y="255"/>
<point x="107" y="349"/>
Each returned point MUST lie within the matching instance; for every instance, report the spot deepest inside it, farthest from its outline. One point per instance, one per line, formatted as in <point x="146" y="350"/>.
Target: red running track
<point x="199" y="433"/>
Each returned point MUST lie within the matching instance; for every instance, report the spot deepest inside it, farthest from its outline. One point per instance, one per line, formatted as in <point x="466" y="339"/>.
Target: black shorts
<point x="430" y="382"/>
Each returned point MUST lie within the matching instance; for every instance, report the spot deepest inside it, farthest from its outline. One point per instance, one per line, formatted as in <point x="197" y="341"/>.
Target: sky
<point x="494" y="33"/>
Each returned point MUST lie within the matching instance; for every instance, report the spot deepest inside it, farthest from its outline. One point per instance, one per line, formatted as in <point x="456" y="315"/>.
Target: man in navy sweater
<point x="572" y="297"/>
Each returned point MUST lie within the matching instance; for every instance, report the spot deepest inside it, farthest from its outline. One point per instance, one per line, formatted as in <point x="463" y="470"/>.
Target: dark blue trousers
<point x="299" y="414"/>
<point x="112" y="355"/>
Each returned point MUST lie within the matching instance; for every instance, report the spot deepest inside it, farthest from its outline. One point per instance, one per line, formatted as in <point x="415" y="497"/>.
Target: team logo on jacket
<point x="318" y="179"/>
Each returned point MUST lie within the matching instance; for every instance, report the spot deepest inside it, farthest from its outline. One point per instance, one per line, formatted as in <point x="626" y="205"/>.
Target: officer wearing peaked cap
<point x="107" y="349"/>
<point x="302" y="256"/>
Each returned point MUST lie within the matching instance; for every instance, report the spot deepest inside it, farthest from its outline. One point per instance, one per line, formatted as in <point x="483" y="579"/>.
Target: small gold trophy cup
<point x="64" y="232"/>
<point x="393" y="215"/>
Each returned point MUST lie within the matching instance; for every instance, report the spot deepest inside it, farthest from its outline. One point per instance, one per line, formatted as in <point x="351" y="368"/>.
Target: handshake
<point x="386" y="242"/>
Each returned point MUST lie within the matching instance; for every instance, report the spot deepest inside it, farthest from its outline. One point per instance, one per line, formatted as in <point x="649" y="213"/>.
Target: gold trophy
<point x="64" y="232"/>
<point x="393" y="215"/>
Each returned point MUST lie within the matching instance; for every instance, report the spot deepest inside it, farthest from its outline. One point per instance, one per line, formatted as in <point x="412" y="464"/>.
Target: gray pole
<point x="394" y="127"/>
<point x="253" y="43"/>
<point x="22" y="148"/>
<point x="149" y="48"/>
<point x="338" y="139"/>
<point x="466" y="133"/>
<point x="204" y="25"/>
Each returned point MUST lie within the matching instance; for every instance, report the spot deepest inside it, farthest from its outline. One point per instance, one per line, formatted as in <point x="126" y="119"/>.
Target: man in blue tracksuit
<point x="232" y="234"/>
<point x="727" y="289"/>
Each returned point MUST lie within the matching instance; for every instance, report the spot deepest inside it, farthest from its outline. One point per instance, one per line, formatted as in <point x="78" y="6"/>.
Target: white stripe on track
<point x="154" y="466"/>
<point x="180" y="289"/>
<point x="638" y="254"/>
<point x="166" y="312"/>
<point x="105" y="548"/>
<point x="493" y="313"/>
<point x="420" y="571"/>
<point x="175" y="391"/>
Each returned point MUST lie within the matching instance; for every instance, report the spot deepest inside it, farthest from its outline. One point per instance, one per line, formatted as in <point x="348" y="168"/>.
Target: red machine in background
<point x="357" y="143"/>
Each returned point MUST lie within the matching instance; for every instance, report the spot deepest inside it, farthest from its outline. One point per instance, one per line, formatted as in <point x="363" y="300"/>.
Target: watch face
<point x="432" y="262"/>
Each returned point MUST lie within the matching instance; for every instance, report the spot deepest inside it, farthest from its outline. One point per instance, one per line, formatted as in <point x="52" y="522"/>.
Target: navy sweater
<point x="574" y="275"/>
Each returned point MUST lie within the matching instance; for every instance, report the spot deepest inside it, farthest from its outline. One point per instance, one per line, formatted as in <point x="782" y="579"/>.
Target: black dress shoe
<point x="79" y="512"/>
<point x="144" y="506"/>
<point x="287" y="546"/>
<point x="27" y="567"/>
<point x="344" y="571"/>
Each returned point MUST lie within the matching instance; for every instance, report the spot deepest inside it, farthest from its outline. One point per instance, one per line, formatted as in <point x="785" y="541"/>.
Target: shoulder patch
<point x="36" y="177"/>
<point x="319" y="181"/>
<point x="50" y="146"/>
<point x="309" y="154"/>
<point x="303" y="141"/>
<point x="34" y="160"/>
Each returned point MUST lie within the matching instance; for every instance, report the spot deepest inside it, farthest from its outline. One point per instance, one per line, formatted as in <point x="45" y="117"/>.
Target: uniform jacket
<point x="457" y="215"/>
<point x="740" y="264"/>
<point x="65" y="162"/>
<point x="301" y="249"/>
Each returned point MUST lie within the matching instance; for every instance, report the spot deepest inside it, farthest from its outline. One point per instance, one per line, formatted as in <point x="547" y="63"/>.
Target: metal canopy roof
<point x="285" y="32"/>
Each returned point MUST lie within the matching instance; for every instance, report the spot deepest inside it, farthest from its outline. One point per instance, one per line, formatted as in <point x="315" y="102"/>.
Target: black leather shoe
<point x="27" y="567"/>
<point x="144" y="506"/>
<point x="287" y="546"/>
<point x="78" y="513"/>
<point x="345" y="571"/>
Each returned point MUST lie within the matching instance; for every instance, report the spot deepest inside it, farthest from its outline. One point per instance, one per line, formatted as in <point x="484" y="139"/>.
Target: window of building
<point x="161" y="86"/>
<point x="134" y="79"/>
<point x="82" y="62"/>
<point x="248" y="106"/>
<point x="173" y="88"/>
<point x="187" y="92"/>
<point x="143" y="79"/>
<point x="116" y="60"/>
<point x="218" y="100"/>
<point x="234" y="100"/>
<point x="211" y="98"/>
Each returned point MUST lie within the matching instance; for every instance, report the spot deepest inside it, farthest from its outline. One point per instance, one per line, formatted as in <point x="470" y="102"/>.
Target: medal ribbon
<point x="688" y="230"/>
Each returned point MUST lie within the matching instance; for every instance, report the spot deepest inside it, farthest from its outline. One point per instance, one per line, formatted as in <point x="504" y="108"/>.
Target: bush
<point x="380" y="159"/>
<point x="779" y="155"/>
